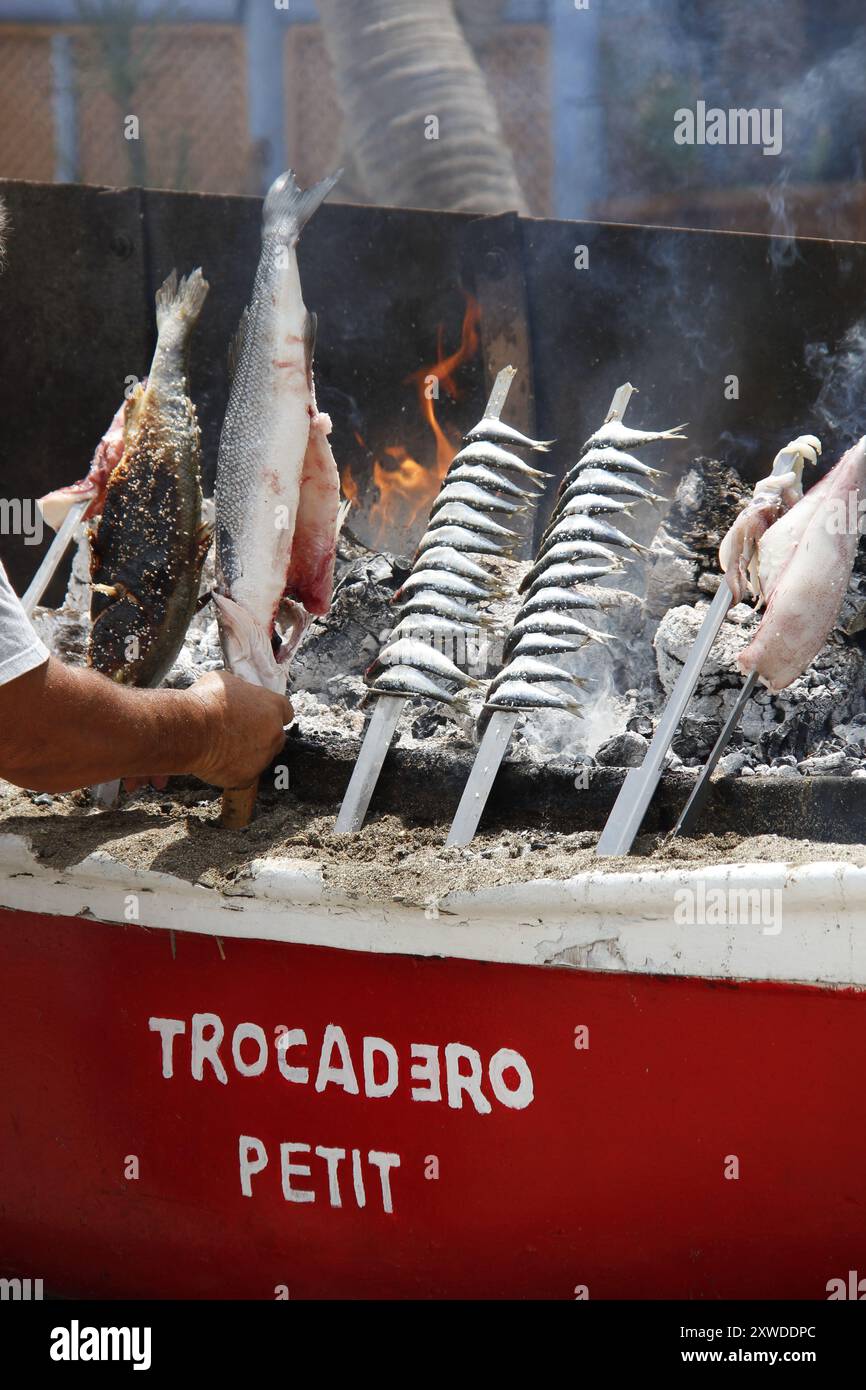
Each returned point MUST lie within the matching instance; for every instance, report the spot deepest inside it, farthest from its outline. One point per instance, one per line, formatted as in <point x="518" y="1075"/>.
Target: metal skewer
<point x="365" y="774"/>
<point x="502" y="723"/>
<point x="386" y="716"/>
<point x="54" y="554"/>
<point x="700" y="791"/>
<point x="640" y="783"/>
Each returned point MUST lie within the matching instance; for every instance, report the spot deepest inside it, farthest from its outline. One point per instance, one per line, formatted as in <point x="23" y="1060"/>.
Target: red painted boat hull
<point x="615" y="1178"/>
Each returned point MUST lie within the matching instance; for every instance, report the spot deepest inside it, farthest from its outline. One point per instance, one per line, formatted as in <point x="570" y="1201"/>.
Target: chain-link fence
<point x="187" y="85"/>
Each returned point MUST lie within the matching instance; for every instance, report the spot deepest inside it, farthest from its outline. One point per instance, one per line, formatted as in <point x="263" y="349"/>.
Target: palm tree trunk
<point x="397" y="63"/>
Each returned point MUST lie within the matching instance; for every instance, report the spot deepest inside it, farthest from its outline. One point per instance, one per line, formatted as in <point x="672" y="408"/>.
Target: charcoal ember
<point x="832" y="690"/>
<point x="675" y="637"/>
<point x="627" y="749"/>
<point x="695" y="737"/>
<point x="731" y="763"/>
<point x="640" y="724"/>
<point x="429" y="722"/>
<point x="686" y="546"/>
<point x="830" y="765"/>
<point x="346" y="640"/>
<point x="852" y="736"/>
<point x="852" y="618"/>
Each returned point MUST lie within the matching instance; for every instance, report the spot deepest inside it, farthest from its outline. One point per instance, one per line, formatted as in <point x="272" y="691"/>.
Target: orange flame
<point x="406" y="487"/>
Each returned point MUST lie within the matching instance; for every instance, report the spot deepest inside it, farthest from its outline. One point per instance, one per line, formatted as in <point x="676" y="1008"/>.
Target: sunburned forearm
<point x="64" y="727"/>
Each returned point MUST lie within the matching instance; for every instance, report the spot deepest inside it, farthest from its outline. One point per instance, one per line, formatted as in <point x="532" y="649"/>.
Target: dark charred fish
<point x="148" y="547"/>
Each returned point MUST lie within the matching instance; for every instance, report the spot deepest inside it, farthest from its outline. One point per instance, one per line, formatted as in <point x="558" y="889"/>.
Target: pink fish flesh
<point x="772" y="498"/>
<point x="805" y="563"/>
<point x="55" y="505"/>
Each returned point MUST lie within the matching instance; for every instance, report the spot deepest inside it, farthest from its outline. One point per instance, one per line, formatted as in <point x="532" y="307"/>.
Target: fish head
<point x="247" y="646"/>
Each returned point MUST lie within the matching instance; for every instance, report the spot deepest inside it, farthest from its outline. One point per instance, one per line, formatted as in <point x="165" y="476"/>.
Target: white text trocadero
<point x="455" y="1073"/>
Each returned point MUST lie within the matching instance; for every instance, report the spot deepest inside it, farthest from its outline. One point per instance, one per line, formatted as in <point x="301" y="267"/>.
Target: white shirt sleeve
<point x="20" y="649"/>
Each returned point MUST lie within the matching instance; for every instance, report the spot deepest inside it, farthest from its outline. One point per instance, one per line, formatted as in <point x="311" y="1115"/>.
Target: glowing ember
<point x="406" y="486"/>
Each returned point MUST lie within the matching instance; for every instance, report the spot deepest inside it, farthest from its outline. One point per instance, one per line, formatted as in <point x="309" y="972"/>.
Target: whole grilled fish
<point x="493" y="430"/>
<point x="149" y="544"/>
<point x="277" y="488"/>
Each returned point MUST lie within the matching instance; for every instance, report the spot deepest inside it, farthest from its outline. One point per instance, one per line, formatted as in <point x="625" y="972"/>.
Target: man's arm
<point x="63" y="727"/>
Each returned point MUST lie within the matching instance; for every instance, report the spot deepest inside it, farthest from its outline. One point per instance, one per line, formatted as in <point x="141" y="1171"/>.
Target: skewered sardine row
<point x="447" y="588"/>
<point x="579" y="545"/>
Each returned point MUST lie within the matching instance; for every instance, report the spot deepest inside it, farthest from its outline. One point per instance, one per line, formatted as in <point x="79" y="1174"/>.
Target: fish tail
<point x="181" y="301"/>
<point x="289" y="208"/>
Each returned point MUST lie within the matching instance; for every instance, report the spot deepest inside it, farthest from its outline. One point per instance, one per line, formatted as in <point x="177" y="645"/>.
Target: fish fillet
<point x="805" y="563"/>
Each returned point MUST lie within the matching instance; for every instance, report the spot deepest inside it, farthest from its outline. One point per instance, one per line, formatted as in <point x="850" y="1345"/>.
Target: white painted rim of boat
<point x="806" y="925"/>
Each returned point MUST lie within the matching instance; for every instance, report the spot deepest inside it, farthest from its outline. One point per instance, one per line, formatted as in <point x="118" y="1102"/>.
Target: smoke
<point x="783" y="248"/>
<point x="841" y="401"/>
<point x="824" y="132"/>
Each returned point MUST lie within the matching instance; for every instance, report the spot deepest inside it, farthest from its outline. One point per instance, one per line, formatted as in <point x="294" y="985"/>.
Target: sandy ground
<point x="177" y="832"/>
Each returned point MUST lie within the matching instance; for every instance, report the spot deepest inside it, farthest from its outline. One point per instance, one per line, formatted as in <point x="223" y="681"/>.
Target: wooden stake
<point x="238" y="805"/>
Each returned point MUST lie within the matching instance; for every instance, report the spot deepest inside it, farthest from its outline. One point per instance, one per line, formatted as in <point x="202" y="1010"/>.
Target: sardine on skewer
<point x="440" y="605"/>
<point x="594" y="480"/>
<point x="567" y="573"/>
<point x="495" y="432"/>
<point x="440" y="582"/>
<point x="578" y="527"/>
<point x="422" y="656"/>
<point x="462" y="539"/>
<point x="481" y="498"/>
<point x="543" y="644"/>
<point x="149" y="544"/>
<point x="533" y="670"/>
<point x="619" y="436"/>
<point x="445" y="557"/>
<point x="430" y="627"/>
<point x="459" y="514"/>
<point x="407" y="680"/>
<point x="526" y="695"/>
<point x="610" y="461"/>
<point x="552" y="623"/>
<point x="586" y="560"/>
<point x="493" y="456"/>
<point x="595" y="504"/>
<point x="482" y="476"/>
<point x="554" y="597"/>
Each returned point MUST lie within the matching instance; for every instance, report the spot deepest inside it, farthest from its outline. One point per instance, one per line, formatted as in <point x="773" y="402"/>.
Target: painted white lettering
<point x="168" y="1029"/>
